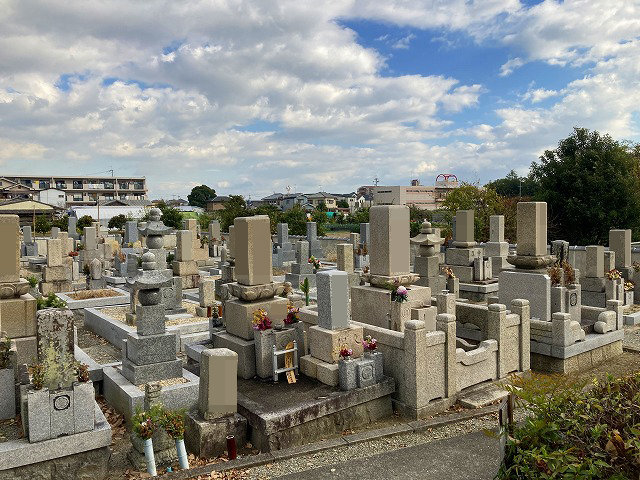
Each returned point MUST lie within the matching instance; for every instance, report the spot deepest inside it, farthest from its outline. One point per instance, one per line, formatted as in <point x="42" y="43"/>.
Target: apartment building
<point x="80" y="190"/>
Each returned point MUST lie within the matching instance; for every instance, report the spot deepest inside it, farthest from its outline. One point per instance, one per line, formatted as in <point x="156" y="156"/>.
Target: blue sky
<point x="251" y="96"/>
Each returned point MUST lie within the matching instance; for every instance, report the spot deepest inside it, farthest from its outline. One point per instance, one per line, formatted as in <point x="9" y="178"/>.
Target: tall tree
<point x="200" y="195"/>
<point x="485" y="202"/>
<point x="591" y="184"/>
<point x="514" y="186"/>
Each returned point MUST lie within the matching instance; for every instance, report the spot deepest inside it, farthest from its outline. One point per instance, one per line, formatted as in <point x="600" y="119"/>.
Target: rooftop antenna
<point x="288" y="189"/>
<point x="376" y="180"/>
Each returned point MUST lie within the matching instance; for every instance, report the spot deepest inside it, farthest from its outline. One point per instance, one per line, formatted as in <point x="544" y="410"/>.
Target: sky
<point x="254" y="97"/>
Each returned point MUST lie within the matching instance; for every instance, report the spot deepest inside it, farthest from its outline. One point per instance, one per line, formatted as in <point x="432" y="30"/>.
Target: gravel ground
<point x="366" y="449"/>
<point x="632" y="337"/>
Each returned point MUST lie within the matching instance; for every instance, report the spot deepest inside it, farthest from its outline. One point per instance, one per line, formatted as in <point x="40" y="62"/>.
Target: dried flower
<point x="82" y="372"/>
<point x="629" y="286"/>
<point x="448" y="271"/>
<point x="613" y="274"/>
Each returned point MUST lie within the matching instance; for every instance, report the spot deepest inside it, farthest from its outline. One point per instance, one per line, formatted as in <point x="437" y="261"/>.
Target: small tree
<point x="43" y="224"/>
<point x="171" y="217"/>
<point x="84" y="221"/>
<point x="61" y="222"/>
<point x="342" y="204"/>
<point x="296" y="219"/>
<point x="118" y="221"/>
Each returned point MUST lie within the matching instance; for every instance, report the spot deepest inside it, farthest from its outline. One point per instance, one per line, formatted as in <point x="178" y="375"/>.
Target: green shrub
<point x="33" y="281"/>
<point x="117" y="221"/>
<point x="575" y="432"/>
<point x="43" y="224"/>
<point x="84" y="221"/>
<point x="50" y="301"/>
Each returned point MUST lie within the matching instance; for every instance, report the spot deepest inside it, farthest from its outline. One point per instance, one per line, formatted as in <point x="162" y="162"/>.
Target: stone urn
<point x="347" y="374"/>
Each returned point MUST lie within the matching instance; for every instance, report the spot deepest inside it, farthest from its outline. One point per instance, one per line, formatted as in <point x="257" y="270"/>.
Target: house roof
<point x="320" y="194"/>
<point x="273" y="196"/>
<point x="127" y="203"/>
<point x="25" y="205"/>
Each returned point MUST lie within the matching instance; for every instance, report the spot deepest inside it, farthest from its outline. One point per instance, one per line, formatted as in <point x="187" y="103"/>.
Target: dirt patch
<point x="120" y="314"/>
<point x="87" y="294"/>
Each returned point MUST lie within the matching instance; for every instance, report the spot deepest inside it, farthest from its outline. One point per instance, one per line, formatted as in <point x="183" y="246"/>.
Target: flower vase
<point x="378" y="361"/>
<point x="347" y="377"/>
<point x="149" y="457"/>
<point x="182" y="454"/>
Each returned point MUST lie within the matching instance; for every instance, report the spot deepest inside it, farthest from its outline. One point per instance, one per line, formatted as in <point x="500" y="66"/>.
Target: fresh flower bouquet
<point x="173" y="424"/>
<point x="293" y="315"/>
<point x="345" y="352"/>
<point x="369" y="344"/>
<point x="314" y="261"/>
<point x="613" y="274"/>
<point x="261" y="320"/>
<point x="399" y="294"/>
<point x="629" y="286"/>
<point x="143" y="425"/>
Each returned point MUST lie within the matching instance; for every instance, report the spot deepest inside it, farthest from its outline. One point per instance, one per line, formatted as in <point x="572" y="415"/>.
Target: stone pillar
<point x="365" y="233"/>
<point x="9" y="248"/>
<point x="54" y="328"/>
<point x="214" y="230"/>
<point x="620" y="243"/>
<point x="415" y="365"/>
<point x="283" y="233"/>
<point x="184" y="252"/>
<point x="218" y="392"/>
<point x="464" y="229"/>
<point x="496" y="228"/>
<point x="54" y="253"/>
<point x="72" y="223"/>
<point x="446" y="303"/>
<point x="333" y="299"/>
<point x="532" y="228"/>
<point x="345" y="257"/>
<point x="231" y="242"/>
<point x="130" y="232"/>
<point x="90" y="238"/>
<point x="26" y="233"/>
<point x="497" y="330"/>
<point x="312" y="232"/>
<point x="253" y="250"/>
<point x="302" y="252"/>
<point x="594" y="267"/>
<point x="207" y="292"/>
<point x="354" y="239"/>
<point x="522" y="308"/>
<point x="447" y="324"/>
<point x="54" y="232"/>
<point x="389" y="254"/>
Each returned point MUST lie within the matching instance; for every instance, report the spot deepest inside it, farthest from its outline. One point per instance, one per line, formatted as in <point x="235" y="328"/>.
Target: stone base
<point x="83" y="455"/>
<point x="577" y="363"/>
<point x="478" y="292"/>
<point x="141" y="374"/>
<point x="325" y="344"/>
<point x="183" y="269"/>
<point x="96" y="283"/>
<point x="164" y="450"/>
<point x="252" y="293"/>
<point x="327" y="373"/>
<point x="238" y="315"/>
<point x="405" y="279"/>
<point x="372" y="305"/>
<point x="48" y="288"/>
<point x="125" y="397"/>
<point x="265" y="340"/>
<point x="18" y="316"/>
<point x="462" y="256"/>
<point x="190" y="281"/>
<point x="244" y="348"/>
<point x="208" y="438"/>
<point x="290" y="415"/>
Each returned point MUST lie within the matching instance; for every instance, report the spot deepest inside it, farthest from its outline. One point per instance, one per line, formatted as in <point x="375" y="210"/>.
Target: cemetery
<point x="276" y="340"/>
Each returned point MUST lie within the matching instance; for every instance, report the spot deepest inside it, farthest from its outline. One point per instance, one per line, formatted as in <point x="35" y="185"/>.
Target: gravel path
<point x="632" y="337"/>
<point x="366" y="449"/>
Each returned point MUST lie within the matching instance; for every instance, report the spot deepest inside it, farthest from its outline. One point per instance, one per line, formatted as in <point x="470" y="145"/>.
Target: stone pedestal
<point x="373" y="306"/>
<point x="208" y="438"/>
<point x="325" y="344"/>
<point x="239" y="315"/>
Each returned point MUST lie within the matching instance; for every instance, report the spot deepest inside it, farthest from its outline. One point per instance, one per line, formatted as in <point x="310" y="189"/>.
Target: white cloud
<point x="509" y="66"/>
<point x="403" y="43"/>
<point x="252" y="96"/>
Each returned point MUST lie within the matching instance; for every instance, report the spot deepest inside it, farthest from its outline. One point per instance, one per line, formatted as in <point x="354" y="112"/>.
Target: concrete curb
<point x="269" y="457"/>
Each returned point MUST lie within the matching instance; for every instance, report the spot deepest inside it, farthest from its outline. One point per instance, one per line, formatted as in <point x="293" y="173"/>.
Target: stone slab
<point x="325" y="344"/>
<point x="18" y="316"/>
<point x="530" y="286"/>
<point x="125" y="397"/>
<point x="18" y="453"/>
<point x="123" y="298"/>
